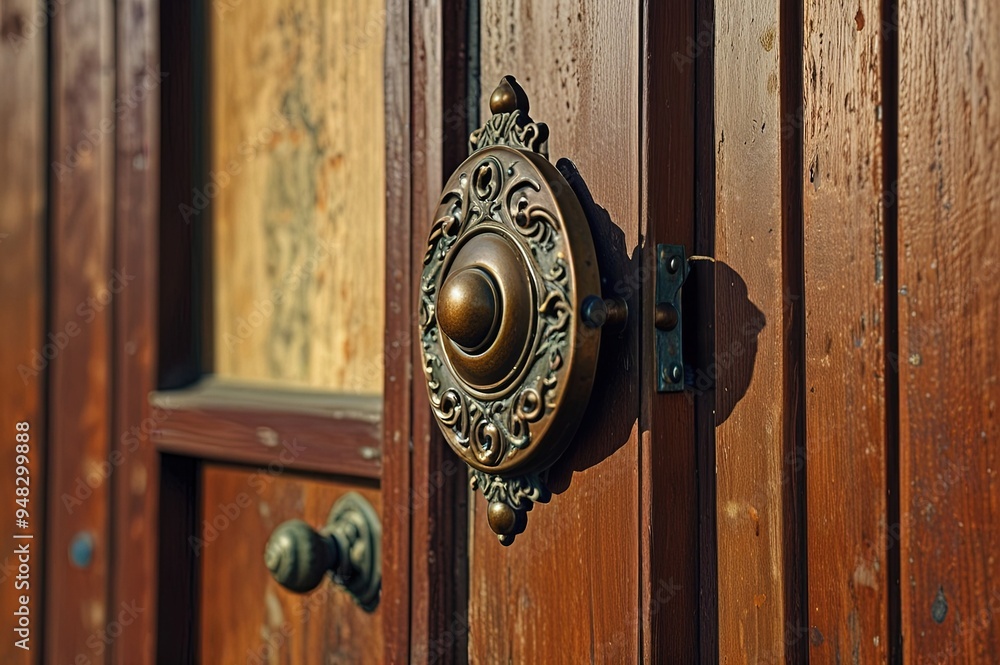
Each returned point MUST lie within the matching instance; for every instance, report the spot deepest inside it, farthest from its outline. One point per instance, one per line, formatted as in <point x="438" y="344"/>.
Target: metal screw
<point x="674" y="265"/>
<point x="672" y="374"/>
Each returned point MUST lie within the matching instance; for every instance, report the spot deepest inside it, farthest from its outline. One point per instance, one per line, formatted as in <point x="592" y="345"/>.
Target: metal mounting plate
<point x="671" y="271"/>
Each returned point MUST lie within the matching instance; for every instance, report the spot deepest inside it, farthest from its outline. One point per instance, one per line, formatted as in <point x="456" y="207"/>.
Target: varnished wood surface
<point x="338" y="434"/>
<point x="297" y="192"/>
<point x="245" y="615"/>
<point x="79" y="379"/>
<point x="22" y="300"/>
<point x="669" y="471"/>
<point x="437" y="498"/>
<point x="846" y="333"/>
<point x="135" y="485"/>
<point x="567" y="590"/>
<point x="949" y="316"/>
<point x="756" y="336"/>
<point x="397" y="390"/>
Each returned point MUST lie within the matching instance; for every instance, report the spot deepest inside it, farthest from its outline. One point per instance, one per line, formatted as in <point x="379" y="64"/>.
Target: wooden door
<point x="212" y="325"/>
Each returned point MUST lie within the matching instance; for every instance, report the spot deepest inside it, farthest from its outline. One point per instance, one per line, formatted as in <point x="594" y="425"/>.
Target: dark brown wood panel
<point x="84" y="282"/>
<point x="949" y="314"/>
<point x="22" y="310"/>
<point x="338" y="434"/>
<point x="396" y="441"/>
<point x="136" y="476"/>
<point x="757" y="336"/>
<point x="669" y="509"/>
<point x="245" y="615"/>
<point x="437" y="500"/>
<point x="845" y="265"/>
<point x="567" y="589"/>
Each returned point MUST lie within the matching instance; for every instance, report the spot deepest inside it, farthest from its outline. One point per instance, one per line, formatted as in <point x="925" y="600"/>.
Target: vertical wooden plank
<point x="22" y="309"/>
<point x="669" y="538"/>
<point x="439" y="116"/>
<point x="949" y="317"/>
<point x="568" y="589"/>
<point x="844" y="237"/>
<point x="399" y="322"/>
<point x="757" y="339"/>
<point x="134" y="461"/>
<point x="84" y="283"/>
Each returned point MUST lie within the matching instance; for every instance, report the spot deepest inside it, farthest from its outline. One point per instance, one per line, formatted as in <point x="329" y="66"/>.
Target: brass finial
<point x="508" y="97"/>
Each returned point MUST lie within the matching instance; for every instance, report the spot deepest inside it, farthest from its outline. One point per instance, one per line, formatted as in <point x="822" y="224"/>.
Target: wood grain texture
<point x="949" y="314"/>
<point x="757" y="413"/>
<point x="329" y="434"/>
<point x="135" y="485"/>
<point x="567" y="590"/>
<point x="397" y="390"/>
<point x="845" y="248"/>
<point x="438" y="496"/>
<point x="84" y="282"/>
<point x="22" y="300"/>
<point x="669" y="497"/>
<point x="297" y="191"/>
<point x="245" y="615"/>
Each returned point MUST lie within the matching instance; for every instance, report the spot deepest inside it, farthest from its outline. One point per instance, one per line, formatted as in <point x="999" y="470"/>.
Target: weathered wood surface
<point x="296" y="192"/>
<point x="847" y="387"/>
<point x="22" y="300"/>
<point x="949" y="318"/>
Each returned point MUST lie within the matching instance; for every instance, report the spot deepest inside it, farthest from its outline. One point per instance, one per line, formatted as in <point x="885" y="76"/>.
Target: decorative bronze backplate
<point x="508" y="358"/>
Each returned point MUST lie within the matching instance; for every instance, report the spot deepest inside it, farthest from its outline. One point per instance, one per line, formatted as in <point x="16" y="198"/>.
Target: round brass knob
<point x="348" y="549"/>
<point x="469" y="309"/>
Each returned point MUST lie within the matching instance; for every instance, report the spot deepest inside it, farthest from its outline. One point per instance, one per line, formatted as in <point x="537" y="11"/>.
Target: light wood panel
<point x="846" y="328"/>
<point x="567" y="590"/>
<point x="22" y="302"/>
<point x="297" y="191"/>
<point x="949" y="314"/>
<point x="245" y="615"/>
<point x="84" y="281"/>
<point x="757" y="339"/>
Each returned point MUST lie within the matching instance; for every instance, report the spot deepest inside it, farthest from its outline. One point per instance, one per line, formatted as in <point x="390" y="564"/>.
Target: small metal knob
<point x="608" y="313"/>
<point x="348" y="548"/>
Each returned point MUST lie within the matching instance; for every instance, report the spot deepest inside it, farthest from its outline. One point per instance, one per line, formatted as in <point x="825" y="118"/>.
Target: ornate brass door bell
<point x="511" y="311"/>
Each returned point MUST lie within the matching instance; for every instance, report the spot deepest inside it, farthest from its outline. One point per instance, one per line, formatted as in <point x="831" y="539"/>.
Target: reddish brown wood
<point x="22" y="310"/>
<point x="439" y="126"/>
<point x="949" y="316"/>
<point x="844" y="217"/>
<point x="84" y="282"/>
<point x="339" y="434"/>
<point x="669" y="507"/>
<point x="568" y="589"/>
<point x="396" y="439"/>
<point x="135" y="482"/>
<point x="247" y="617"/>
<point x="758" y="331"/>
